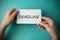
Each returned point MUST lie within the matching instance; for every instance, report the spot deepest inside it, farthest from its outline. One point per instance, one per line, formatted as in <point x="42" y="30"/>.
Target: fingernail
<point x="18" y="10"/>
<point x="41" y="28"/>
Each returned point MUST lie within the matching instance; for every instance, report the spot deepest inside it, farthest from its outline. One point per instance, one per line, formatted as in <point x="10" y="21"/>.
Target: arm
<point x="9" y="17"/>
<point x="49" y="25"/>
<point x="2" y="31"/>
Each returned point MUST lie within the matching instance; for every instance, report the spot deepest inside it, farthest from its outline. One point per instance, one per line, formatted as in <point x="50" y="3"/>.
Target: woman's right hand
<point x="49" y="25"/>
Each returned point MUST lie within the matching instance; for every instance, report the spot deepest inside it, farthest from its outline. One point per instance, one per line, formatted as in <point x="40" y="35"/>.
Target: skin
<point x="49" y="25"/>
<point x="10" y="16"/>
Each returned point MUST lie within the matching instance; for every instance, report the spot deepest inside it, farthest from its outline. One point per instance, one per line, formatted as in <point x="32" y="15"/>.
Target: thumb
<point x="43" y="25"/>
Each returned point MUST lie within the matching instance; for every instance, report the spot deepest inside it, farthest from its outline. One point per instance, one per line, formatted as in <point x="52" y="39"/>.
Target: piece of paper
<point x="29" y="16"/>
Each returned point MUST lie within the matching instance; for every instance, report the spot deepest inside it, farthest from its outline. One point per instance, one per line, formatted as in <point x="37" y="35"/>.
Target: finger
<point x="15" y="18"/>
<point x="45" y="22"/>
<point x="15" y="13"/>
<point x="43" y="25"/>
<point x="48" y="20"/>
<point x="11" y="11"/>
<point x="40" y="26"/>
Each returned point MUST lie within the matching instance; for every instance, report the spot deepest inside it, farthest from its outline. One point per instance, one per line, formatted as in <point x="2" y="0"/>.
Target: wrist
<point x="55" y="36"/>
<point x="2" y="31"/>
<point x="3" y="26"/>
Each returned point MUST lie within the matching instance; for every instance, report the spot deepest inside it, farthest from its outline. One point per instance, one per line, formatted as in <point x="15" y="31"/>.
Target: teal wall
<point x="50" y="8"/>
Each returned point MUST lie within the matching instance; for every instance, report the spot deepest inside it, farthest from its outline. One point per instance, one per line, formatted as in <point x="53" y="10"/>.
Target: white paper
<point x="29" y="16"/>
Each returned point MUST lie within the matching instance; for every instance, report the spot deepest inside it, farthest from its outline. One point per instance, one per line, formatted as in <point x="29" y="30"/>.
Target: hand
<point x="49" y="25"/>
<point x="10" y="16"/>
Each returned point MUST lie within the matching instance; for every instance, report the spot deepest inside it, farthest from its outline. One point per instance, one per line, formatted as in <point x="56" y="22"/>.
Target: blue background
<point x="50" y="8"/>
